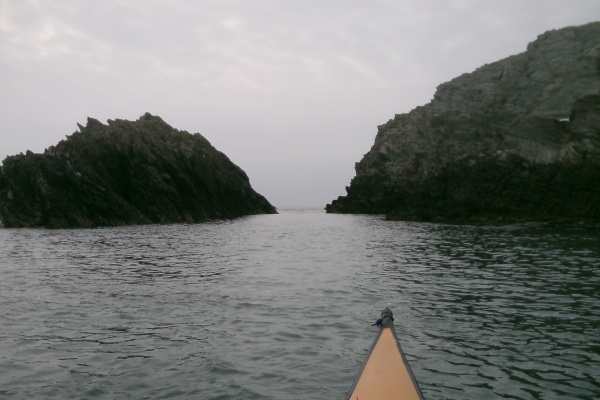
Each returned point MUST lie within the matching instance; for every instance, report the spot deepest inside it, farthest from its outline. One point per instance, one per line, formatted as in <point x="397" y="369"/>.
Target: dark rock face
<point x="125" y="173"/>
<point x="516" y="140"/>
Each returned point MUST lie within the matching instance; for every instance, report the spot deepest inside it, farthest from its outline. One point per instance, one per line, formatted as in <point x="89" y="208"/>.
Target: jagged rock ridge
<point x="515" y="140"/>
<point x="123" y="173"/>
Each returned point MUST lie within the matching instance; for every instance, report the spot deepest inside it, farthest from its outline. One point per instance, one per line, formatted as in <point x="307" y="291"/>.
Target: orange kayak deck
<point x="385" y="375"/>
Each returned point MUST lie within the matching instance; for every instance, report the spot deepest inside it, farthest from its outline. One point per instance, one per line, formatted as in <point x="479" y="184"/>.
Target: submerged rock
<point x="124" y="173"/>
<point x="516" y="140"/>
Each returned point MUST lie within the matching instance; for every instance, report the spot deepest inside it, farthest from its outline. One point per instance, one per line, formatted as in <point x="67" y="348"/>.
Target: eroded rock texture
<point x="123" y="173"/>
<point x="516" y="140"/>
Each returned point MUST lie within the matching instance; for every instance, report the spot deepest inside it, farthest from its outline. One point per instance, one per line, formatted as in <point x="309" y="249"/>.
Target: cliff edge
<point x="516" y="140"/>
<point x="125" y="173"/>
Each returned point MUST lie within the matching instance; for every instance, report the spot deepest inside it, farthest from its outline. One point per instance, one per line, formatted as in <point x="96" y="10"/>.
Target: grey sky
<point x="292" y="91"/>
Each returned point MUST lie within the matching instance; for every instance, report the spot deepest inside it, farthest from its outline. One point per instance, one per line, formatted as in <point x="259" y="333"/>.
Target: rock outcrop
<point x="124" y="173"/>
<point x="515" y="140"/>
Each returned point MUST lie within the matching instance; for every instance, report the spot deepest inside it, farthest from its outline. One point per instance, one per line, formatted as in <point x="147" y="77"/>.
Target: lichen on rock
<point x="515" y="140"/>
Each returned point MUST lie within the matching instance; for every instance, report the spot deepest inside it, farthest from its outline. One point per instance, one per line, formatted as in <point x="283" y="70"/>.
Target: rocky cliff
<point x="515" y="140"/>
<point x="125" y="173"/>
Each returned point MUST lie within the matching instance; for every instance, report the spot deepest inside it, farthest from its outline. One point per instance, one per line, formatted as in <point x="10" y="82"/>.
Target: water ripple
<point x="280" y="307"/>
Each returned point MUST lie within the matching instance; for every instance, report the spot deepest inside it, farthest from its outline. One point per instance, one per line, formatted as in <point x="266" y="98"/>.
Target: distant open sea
<point x="281" y="306"/>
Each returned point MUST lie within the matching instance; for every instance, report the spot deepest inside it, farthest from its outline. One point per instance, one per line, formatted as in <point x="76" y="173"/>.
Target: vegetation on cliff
<point x="515" y="140"/>
<point x="123" y="173"/>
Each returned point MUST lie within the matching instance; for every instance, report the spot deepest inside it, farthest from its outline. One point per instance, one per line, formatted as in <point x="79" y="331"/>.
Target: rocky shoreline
<point x="517" y="140"/>
<point x="125" y="173"/>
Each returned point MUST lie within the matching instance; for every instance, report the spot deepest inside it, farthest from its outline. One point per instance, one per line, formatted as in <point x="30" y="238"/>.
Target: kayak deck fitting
<point x="385" y="374"/>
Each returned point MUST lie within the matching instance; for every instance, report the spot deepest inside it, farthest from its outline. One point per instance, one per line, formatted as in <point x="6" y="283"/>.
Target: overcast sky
<point x="292" y="91"/>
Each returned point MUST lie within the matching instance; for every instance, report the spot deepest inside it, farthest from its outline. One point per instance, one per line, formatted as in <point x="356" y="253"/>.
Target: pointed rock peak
<point x="149" y="117"/>
<point x="93" y="123"/>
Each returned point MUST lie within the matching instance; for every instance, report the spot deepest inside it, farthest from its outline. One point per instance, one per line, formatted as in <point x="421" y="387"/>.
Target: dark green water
<point x="281" y="306"/>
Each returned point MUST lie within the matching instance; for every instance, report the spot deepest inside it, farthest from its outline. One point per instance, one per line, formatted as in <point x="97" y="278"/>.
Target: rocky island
<point x="516" y="140"/>
<point x="125" y="173"/>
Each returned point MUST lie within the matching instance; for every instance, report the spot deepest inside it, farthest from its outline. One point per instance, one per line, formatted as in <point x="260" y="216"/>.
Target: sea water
<point x="281" y="306"/>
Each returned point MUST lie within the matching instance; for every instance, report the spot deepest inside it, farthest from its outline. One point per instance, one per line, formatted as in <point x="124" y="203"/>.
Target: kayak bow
<point x="385" y="374"/>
